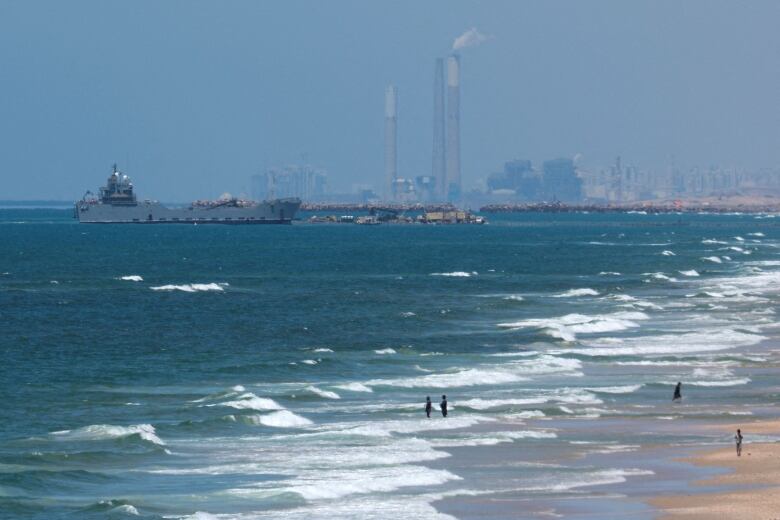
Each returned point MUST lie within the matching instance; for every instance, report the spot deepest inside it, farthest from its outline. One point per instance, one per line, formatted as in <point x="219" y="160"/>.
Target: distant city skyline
<point x="194" y="98"/>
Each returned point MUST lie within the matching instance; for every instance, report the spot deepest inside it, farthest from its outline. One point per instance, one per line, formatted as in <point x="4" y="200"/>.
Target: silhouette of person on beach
<point x="677" y="392"/>
<point x="428" y="406"/>
<point x="738" y="439"/>
<point x="444" y="406"/>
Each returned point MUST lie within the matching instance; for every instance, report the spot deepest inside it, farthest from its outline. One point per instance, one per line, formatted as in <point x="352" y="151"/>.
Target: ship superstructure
<point x="117" y="204"/>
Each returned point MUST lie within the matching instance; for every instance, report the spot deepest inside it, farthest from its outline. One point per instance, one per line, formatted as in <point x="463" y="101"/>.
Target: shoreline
<point x="750" y="488"/>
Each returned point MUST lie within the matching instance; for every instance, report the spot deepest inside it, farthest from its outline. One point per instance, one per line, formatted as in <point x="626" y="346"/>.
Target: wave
<point x="691" y="272"/>
<point x="713" y="241"/>
<point x="457" y="274"/>
<point x="385" y="351"/>
<point x="511" y="372"/>
<point x="322" y="350"/>
<point x="407" y="314"/>
<point x="627" y="389"/>
<point x="278" y="419"/>
<point x="609" y="273"/>
<point x="492" y="439"/>
<point x="364" y="481"/>
<point x="191" y="287"/>
<point x="132" y="278"/>
<point x="714" y="259"/>
<point x="660" y="276"/>
<point x="687" y="343"/>
<point x="96" y="432"/>
<point x="597" y="478"/>
<point x="309" y="362"/>
<point x="668" y="253"/>
<point x="721" y="382"/>
<point x="323" y="393"/>
<point x="567" y="327"/>
<point x="577" y="292"/>
<point x="757" y="234"/>
<point x="250" y="401"/>
<point x="355" y="387"/>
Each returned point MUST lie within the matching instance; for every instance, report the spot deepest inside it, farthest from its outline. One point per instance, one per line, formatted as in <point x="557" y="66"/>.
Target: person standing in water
<point x="444" y="406"/>
<point x="677" y="392"/>
<point x="738" y="439"/>
<point x="428" y="406"/>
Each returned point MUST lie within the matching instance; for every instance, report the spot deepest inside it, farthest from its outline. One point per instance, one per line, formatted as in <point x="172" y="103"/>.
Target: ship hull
<point x="279" y="211"/>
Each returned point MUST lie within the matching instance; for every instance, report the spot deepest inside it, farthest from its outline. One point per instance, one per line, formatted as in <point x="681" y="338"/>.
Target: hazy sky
<point x="191" y="98"/>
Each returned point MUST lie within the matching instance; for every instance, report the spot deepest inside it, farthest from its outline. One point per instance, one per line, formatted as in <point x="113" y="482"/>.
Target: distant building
<point x="304" y="182"/>
<point x="560" y="181"/>
<point x="518" y="181"/>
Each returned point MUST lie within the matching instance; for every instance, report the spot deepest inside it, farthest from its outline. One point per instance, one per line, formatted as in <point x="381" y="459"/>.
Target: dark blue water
<point x="279" y="371"/>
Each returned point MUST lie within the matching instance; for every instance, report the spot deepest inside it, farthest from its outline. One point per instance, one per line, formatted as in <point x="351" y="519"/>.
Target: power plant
<point x="453" y="129"/>
<point x="391" y="141"/>
<point x="438" y="169"/>
<point x="444" y="183"/>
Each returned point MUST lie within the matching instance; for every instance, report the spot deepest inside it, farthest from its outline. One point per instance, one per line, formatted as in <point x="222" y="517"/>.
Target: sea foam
<point x="191" y="287"/>
<point x="577" y="292"/>
<point x="97" y="432"/>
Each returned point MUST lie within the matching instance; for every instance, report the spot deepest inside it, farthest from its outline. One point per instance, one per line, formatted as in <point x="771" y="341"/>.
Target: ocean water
<point x="208" y="372"/>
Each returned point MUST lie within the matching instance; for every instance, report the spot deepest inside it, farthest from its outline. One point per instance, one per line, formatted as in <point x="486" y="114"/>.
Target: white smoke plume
<point x="470" y="38"/>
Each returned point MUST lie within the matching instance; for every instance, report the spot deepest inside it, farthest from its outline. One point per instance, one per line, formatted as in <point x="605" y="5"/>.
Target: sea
<point x="251" y="372"/>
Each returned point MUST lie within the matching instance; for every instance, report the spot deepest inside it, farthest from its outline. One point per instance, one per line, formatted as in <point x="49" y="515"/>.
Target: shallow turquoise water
<point x="280" y="371"/>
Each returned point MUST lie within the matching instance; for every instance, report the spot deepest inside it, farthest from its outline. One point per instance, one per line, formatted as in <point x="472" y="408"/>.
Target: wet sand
<point x="751" y="488"/>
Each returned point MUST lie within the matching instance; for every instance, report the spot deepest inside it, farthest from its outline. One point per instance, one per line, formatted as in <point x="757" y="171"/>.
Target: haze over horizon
<point x="192" y="98"/>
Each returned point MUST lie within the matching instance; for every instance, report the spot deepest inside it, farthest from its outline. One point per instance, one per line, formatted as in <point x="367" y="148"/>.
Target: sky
<point x="191" y="98"/>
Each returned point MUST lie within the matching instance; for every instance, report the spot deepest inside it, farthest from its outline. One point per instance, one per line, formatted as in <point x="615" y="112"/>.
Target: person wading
<point x="444" y="406"/>
<point x="428" y="406"/>
<point x="677" y="392"/>
<point x="738" y="439"/>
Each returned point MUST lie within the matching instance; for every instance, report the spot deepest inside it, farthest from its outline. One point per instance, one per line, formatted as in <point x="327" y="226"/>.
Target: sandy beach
<point x="751" y="489"/>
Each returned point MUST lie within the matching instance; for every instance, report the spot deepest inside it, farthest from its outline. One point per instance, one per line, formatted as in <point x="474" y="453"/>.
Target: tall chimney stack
<point x="438" y="172"/>
<point x="391" y="141"/>
<point x="452" y="185"/>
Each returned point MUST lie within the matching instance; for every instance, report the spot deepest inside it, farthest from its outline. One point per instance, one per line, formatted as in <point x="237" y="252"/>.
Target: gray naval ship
<point x="117" y="204"/>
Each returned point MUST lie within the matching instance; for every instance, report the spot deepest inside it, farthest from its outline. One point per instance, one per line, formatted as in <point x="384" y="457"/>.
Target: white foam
<point x="456" y="274"/>
<point x="577" y="292"/>
<point x="125" y="509"/>
<point x="691" y="272"/>
<point x="692" y="342"/>
<point x="132" y="278"/>
<point x="757" y="234"/>
<point x="568" y="326"/>
<point x="493" y="438"/>
<point x="323" y="393"/>
<point x="668" y="253"/>
<point x="513" y="297"/>
<point x="712" y="241"/>
<point x="660" y="276"/>
<point x="407" y="314"/>
<point x="309" y="362"/>
<point x="626" y="389"/>
<point x="108" y="431"/>
<point x="467" y="377"/>
<point x="609" y="273"/>
<point x="739" y="239"/>
<point x="355" y="387"/>
<point x="385" y="351"/>
<point x="406" y="426"/>
<point x="362" y="481"/>
<point x="721" y="382"/>
<point x="322" y="350"/>
<point x="714" y="259"/>
<point x="190" y="287"/>
<point x="597" y="478"/>
<point x="280" y="419"/>
<point x="250" y="401"/>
